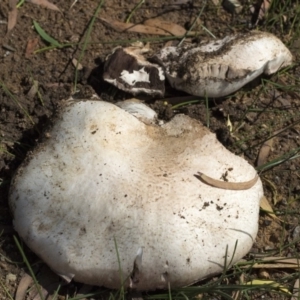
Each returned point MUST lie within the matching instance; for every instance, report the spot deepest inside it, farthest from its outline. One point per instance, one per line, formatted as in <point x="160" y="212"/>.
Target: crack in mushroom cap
<point x="104" y="179"/>
<point x="221" y="67"/>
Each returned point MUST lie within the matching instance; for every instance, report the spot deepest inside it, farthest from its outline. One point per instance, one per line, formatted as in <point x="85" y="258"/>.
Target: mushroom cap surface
<point x="221" y="67"/>
<point x="105" y="182"/>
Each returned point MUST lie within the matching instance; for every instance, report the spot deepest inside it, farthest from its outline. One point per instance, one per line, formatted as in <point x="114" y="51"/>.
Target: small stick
<point x="237" y="186"/>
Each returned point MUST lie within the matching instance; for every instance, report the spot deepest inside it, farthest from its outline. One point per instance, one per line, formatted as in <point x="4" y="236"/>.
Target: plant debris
<point x="44" y="3"/>
<point x="12" y="15"/>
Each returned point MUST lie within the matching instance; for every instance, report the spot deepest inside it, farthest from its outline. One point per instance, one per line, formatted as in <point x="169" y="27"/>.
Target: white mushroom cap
<point x="221" y="67"/>
<point x="103" y="176"/>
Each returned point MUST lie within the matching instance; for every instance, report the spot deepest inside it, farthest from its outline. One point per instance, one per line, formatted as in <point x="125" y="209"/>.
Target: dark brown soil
<point x="256" y="112"/>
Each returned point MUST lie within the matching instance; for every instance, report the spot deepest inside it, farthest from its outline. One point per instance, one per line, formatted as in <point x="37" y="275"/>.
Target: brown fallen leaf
<point x="139" y="28"/>
<point x="30" y="47"/>
<point x="23" y="286"/>
<point x="265" y="206"/>
<point x="45" y="3"/>
<point x="170" y="27"/>
<point x="12" y="15"/>
<point x="264" y="152"/>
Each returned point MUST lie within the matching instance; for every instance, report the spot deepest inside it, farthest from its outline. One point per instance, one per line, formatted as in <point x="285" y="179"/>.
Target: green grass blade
<point x="29" y="267"/>
<point x="9" y="296"/>
<point x="45" y="36"/>
<point x="88" y="34"/>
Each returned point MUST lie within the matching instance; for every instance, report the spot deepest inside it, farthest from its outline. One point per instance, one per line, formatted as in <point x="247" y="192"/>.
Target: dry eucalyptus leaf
<point x="12" y="15"/>
<point x="275" y="266"/>
<point x="265" y="205"/>
<point x="121" y="26"/>
<point x="226" y="185"/>
<point x="45" y="3"/>
<point x="285" y="260"/>
<point x="24" y="284"/>
<point x="264" y="152"/>
<point x="170" y="27"/>
<point x="273" y="262"/>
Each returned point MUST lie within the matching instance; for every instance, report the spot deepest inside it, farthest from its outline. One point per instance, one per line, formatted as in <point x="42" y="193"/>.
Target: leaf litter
<point x="152" y="26"/>
<point x="12" y="15"/>
<point x="45" y="3"/>
<point x="31" y="47"/>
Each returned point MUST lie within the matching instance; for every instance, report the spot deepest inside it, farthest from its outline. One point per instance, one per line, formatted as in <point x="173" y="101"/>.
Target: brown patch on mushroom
<point x="129" y="71"/>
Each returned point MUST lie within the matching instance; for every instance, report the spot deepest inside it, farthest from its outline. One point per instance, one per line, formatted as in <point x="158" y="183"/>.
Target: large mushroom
<point x="221" y="67"/>
<point x="105" y="185"/>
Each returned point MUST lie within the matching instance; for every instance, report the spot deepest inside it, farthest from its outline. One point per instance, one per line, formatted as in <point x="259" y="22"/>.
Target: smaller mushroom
<point x="128" y="70"/>
<point x="221" y="67"/>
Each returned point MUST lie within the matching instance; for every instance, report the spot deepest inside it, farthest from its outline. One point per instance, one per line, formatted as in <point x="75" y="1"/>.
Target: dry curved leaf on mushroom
<point x="139" y="193"/>
<point x="226" y="185"/>
<point x="221" y="67"/>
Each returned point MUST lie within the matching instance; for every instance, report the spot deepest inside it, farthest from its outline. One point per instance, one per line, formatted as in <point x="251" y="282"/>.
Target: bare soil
<point x="256" y="112"/>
